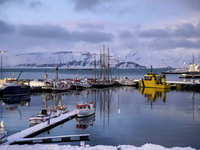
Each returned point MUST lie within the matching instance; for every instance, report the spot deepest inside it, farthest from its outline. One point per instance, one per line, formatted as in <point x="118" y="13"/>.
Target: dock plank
<point x="40" y="127"/>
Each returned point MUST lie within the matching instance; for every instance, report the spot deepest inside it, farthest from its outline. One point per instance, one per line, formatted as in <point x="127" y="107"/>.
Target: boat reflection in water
<point x="10" y="101"/>
<point x="49" y="112"/>
<point x="153" y="94"/>
<point x="83" y="123"/>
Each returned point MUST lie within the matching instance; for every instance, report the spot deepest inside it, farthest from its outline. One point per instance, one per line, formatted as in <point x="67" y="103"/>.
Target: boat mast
<point x="56" y="74"/>
<point x="95" y="67"/>
<point x="104" y="63"/>
<point x="118" y="67"/>
<point x="46" y="76"/>
<point x="100" y="65"/>
<point x="1" y="65"/>
<point x="108" y="64"/>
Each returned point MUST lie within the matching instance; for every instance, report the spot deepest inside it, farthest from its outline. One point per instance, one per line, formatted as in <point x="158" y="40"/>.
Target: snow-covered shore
<point x="87" y="147"/>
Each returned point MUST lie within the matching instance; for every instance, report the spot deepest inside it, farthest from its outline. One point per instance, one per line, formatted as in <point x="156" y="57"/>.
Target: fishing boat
<point x="190" y="75"/>
<point x="125" y="82"/>
<point x="35" y="85"/>
<point x="47" y="84"/>
<point x="84" y="83"/>
<point x="84" y="109"/>
<point x="153" y="80"/>
<point x="3" y="133"/>
<point x="14" y="87"/>
<point x="43" y="116"/>
<point x="60" y="86"/>
<point x="46" y="114"/>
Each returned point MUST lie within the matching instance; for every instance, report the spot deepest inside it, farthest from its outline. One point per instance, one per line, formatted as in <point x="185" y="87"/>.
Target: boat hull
<point x="16" y="90"/>
<point x="85" y="112"/>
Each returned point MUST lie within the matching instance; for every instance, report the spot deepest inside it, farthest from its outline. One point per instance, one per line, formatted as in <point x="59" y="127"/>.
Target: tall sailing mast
<point x="95" y="69"/>
<point x="100" y="65"/>
<point x="104" y="63"/>
<point x="108" y="64"/>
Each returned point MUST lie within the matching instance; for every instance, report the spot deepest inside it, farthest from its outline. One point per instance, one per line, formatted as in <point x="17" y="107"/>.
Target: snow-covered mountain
<point x="162" y="59"/>
<point x="84" y="59"/>
<point x="61" y="59"/>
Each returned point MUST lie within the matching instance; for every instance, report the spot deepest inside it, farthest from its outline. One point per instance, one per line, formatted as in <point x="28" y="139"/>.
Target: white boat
<point x="47" y="84"/>
<point x="126" y="82"/>
<point x="60" y="86"/>
<point x="3" y="133"/>
<point x="46" y="114"/>
<point x="84" y="109"/>
<point x="43" y="116"/>
<point x="35" y="84"/>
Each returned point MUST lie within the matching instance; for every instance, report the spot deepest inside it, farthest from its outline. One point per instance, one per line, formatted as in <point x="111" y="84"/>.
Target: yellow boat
<point x="153" y="80"/>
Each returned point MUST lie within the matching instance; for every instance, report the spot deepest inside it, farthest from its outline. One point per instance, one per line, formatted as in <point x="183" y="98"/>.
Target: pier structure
<point x="39" y="128"/>
<point x="53" y="139"/>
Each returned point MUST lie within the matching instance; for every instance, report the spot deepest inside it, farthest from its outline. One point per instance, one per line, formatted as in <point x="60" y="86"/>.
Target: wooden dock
<point x="53" y="139"/>
<point x="42" y="127"/>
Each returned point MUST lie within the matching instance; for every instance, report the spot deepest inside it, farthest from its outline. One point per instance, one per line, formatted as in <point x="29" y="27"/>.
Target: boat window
<point x="147" y="78"/>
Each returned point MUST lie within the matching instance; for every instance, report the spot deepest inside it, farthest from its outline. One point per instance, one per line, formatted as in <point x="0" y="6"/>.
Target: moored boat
<point x="190" y="75"/>
<point x="60" y="87"/>
<point x="126" y="82"/>
<point x="3" y="133"/>
<point x="14" y="87"/>
<point x="84" y="109"/>
<point x="46" y="114"/>
<point x="153" y="80"/>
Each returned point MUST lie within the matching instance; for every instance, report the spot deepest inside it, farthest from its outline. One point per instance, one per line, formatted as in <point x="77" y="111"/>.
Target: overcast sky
<point x="122" y="25"/>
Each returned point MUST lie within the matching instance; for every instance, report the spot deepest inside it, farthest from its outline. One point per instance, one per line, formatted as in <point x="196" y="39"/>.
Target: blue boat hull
<point x="16" y="90"/>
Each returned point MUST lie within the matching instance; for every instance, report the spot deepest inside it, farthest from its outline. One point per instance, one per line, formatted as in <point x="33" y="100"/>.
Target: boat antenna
<point x="19" y="75"/>
<point x="2" y="64"/>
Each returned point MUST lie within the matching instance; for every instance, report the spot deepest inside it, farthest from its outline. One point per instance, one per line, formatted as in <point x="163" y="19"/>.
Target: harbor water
<point x="124" y="115"/>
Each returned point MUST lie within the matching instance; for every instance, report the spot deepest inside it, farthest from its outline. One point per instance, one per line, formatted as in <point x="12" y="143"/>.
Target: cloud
<point x="194" y="4"/>
<point x="10" y="1"/>
<point x="162" y="44"/>
<point x="186" y="36"/>
<point x="188" y="31"/>
<point x="155" y="33"/>
<point x="91" y="26"/>
<point x="6" y="28"/>
<point x="43" y="31"/>
<point x="92" y="36"/>
<point x="82" y="5"/>
<point x="47" y="36"/>
<point x="126" y="34"/>
<point x="35" y="4"/>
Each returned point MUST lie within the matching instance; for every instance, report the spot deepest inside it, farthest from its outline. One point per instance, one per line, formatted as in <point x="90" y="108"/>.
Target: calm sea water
<point x="124" y="115"/>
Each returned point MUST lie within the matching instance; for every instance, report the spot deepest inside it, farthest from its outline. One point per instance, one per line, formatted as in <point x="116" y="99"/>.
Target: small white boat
<point x="126" y="82"/>
<point x="60" y="86"/>
<point x="48" y="85"/>
<point x="46" y="114"/>
<point x="43" y="116"/>
<point x="84" y="109"/>
<point x="3" y="133"/>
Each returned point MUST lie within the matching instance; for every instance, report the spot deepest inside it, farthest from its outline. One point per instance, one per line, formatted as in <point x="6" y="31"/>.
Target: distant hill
<point x="62" y="59"/>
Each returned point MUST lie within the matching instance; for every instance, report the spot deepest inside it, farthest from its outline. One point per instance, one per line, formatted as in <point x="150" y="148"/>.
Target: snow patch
<point x="87" y="147"/>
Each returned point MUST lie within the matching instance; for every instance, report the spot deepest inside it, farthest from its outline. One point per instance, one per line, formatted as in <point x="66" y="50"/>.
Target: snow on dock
<point x="32" y="131"/>
<point x="53" y="139"/>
